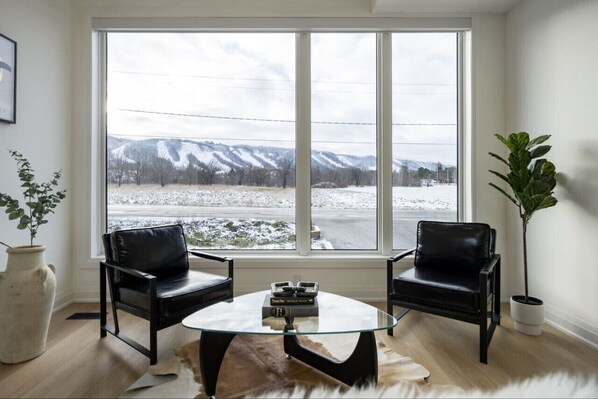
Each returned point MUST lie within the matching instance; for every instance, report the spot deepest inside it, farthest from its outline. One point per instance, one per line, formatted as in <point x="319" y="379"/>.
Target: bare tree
<point x="190" y="172"/>
<point x="210" y="171"/>
<point x="258" y="176"/>
<point x="240" y="176"/>
<point x="404" y="176"/>
<point x="139" y="167"/>
<point x="118" y="169"/>
<point x="284" y="169"/>
<point x="163" y="170"/>
<point x="357" y="175"/>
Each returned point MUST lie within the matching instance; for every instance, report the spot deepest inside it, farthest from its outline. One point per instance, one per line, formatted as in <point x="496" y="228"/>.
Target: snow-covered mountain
<point x="227" y="157"/>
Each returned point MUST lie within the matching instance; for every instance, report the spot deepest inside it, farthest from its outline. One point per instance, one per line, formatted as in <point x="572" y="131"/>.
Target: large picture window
<point x="201" y="129"/>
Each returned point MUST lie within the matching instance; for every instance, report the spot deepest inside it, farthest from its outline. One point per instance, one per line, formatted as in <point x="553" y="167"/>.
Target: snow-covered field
<point x="221" y="233"/>
<point x="258" y="233"/>
<point x="439" y="197"/>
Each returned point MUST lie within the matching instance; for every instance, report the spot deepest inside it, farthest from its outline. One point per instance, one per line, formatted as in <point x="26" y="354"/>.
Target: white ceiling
<point x="442" y="6"/>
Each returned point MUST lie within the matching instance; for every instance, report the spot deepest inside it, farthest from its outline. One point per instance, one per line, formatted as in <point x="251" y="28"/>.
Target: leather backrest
<point x="107" y="247"/>
<point x="459" y="247"/>
<point x="155" y="250"/>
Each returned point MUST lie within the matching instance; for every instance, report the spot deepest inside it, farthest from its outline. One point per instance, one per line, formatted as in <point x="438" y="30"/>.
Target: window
<point x="424" y="131"/>
<point x="201" y="132"/>
<point x="343" y="145"/>
<point x="201" y="129"/>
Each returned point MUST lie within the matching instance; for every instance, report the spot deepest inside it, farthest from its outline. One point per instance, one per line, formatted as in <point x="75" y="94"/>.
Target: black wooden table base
<point x="360" y="368"/>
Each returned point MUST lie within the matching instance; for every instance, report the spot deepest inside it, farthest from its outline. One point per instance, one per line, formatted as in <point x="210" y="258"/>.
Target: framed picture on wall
<point x="8" y="80"/>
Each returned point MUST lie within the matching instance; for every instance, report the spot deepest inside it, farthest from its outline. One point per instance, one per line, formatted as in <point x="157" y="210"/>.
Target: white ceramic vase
<point x="27" y="290"/>
<point x="528" y="317"/>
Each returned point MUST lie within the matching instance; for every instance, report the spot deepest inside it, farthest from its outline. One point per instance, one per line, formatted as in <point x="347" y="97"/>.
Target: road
<point x="344" y="228"/>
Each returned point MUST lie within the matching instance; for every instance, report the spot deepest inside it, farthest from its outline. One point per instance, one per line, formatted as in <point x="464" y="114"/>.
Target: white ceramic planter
<point x="27" y="290"/>
<point x="528" y="317"/>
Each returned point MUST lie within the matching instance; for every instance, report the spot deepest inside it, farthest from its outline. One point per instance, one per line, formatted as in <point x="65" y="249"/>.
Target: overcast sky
<point x="240" y="89"/>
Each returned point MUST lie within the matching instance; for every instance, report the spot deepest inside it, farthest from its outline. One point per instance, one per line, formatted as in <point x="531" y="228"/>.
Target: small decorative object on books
<point x="285" y="289"/>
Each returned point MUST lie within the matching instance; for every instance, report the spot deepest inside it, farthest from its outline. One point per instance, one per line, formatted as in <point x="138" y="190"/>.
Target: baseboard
<point x="571" y="325"/>
<point x="87" y="297"/>
<point x="62" y="300"/>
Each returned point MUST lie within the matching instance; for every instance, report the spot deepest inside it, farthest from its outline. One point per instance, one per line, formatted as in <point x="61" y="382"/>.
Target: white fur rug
<point x="556" y="385"/>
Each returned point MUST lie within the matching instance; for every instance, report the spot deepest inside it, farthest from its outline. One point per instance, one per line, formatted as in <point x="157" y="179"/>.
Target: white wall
<point x="55" y="88"/>
<point x="358" y="277"/>
<point x="42" y="30"/>
<point x="552" y="84"/>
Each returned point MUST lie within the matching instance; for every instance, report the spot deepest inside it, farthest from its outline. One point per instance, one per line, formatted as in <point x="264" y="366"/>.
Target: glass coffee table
<point x="220" y="323"/>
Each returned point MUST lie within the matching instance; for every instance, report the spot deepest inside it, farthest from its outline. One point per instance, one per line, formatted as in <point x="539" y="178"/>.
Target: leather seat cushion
<point x="179" y="292"/>
<point x="438" y="288"/>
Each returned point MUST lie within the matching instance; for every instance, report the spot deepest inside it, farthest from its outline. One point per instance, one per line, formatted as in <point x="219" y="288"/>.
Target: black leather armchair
<point x="148" y="276"/>
<point x="456" y="275"/>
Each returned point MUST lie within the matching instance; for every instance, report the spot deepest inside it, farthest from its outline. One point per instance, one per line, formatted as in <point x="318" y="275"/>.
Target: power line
<point x="274" y="120"/>
<point x="158" y="136"/>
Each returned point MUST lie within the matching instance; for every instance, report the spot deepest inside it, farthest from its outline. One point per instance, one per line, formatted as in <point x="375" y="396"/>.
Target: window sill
<point x="287" y="261"/>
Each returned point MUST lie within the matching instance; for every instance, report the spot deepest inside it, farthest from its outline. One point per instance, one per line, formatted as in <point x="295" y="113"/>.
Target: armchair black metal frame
<point x="489" y="293"/>
<point x="107" y="272"/>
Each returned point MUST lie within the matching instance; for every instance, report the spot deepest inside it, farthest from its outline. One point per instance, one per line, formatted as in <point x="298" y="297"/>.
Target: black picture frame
<point x="8" y="80"/>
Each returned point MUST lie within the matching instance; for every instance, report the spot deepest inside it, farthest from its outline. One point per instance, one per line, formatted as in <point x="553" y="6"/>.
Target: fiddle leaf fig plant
<point x="531" y="179"/>
<point x="40" y="198"/>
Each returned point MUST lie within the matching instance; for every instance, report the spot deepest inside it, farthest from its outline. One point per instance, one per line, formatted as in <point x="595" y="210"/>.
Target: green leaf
<point x="547" y="203"/>
<point x="499" y="158"/>
<point x="519" y="160"/>
<point x="527" y="203"/>
<point x="538" y="140"/>
<point x="504" y="192"/>
<point x="499" y="175"/>
<point x="538" y="187"/>
<point x="518" y="141"/>
<point x="13" y="215"/>
<point x="548" y="169"/>
<point x="501" y="139"/>
<point x="540" y="151"/>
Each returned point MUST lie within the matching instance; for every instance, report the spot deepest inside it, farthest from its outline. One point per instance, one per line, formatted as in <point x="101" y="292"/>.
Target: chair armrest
<point x="401" y="255"/>
<point x="149" y="278"/>
<point x="490" y="266"/>
<point x="217" y="258"/>
<point x="491" y="271"/>
<point x="130" y="272"/>
<point x="389" y="268"/>
<point x="206" y="255"/>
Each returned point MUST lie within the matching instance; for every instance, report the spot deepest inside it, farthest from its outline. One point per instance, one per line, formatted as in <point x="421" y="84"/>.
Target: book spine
<point x="290" y="311"/>
<point x="291" y="301"/>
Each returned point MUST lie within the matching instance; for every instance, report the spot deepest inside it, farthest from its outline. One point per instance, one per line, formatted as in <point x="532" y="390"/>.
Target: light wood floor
<point x="77" y="363"/>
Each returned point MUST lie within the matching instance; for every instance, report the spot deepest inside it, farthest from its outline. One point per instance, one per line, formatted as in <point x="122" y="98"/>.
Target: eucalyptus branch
<point x="40" y="199"/>
<point x="6" y="245"/>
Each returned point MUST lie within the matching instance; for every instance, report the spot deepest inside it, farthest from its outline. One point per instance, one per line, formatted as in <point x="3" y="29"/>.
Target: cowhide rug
<point x="256" y="364"/>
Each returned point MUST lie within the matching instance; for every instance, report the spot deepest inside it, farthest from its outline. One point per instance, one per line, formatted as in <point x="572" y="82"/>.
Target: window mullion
<point x="303" y="142"/>
<point x="384" y="127"/>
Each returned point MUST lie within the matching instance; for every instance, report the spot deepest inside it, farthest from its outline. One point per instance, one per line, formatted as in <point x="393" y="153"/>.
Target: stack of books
<point x="291" y="306"/>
